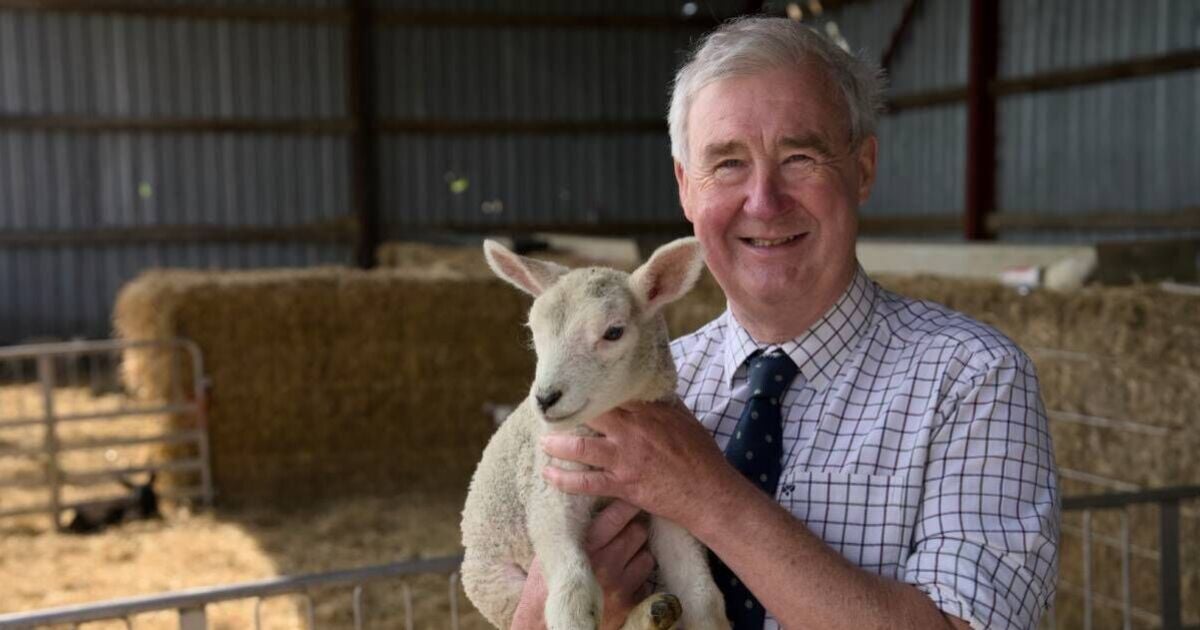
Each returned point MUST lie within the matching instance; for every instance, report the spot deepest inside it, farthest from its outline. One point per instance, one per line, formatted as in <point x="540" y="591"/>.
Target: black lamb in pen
<point x="140" y="503"/>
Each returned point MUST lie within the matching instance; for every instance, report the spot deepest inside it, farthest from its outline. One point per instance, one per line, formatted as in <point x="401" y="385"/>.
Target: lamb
<point x="601" y="341"/>
<point x="140" y="503"/>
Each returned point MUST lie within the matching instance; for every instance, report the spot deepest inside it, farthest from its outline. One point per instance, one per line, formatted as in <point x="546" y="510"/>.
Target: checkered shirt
<point x="915" y="444"/>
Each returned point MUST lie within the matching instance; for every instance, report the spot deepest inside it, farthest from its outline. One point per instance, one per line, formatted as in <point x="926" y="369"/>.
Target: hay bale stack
<point x="328" y="382"/>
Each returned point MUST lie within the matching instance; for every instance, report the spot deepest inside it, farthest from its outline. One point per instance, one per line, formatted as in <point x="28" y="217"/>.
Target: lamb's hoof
<point x="665" y="610"/>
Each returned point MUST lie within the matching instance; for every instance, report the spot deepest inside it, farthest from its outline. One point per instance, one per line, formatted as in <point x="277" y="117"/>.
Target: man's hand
<point x="653" y="455"/>
<point x="616" y="546"/>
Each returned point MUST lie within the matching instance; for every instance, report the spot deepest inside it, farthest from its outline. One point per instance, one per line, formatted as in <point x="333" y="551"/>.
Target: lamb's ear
<point x="527" y="274"/>
<point x="671" y="272"/>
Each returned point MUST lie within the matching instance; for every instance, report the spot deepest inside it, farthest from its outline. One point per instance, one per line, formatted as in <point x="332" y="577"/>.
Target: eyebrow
<point x="812" y="142"/>
<point x="808" y="141"/>
<point x="720" y="149"/>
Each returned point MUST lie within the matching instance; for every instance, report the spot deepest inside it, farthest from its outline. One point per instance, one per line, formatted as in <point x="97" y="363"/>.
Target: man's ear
<point x="671" y="272"/>
<point x="527" y="274"/>
<point x="681" y="180"/>
<point x="867" y="155"/>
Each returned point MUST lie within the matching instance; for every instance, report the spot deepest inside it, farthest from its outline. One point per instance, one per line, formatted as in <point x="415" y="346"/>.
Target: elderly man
<point x="852" y="458"/>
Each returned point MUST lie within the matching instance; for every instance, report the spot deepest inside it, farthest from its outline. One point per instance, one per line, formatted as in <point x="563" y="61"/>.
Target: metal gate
<point x="70" y="429"/>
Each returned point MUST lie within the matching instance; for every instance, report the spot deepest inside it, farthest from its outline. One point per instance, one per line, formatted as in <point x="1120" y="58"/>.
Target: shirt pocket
<point x="869" y="519"/>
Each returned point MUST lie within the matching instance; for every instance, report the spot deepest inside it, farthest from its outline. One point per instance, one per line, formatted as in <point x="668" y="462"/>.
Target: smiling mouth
<point x="771" y="242"/>
<point x="566" y="416"/>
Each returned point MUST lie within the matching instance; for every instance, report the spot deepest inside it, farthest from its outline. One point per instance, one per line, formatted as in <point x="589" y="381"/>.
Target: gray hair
<point x="751" y="45"/>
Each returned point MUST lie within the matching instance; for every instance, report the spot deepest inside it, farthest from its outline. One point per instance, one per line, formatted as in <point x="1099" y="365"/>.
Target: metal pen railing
<point x="53" y="368"/>
<point x="191" y="604"/>
<point x="1170" y="614"/>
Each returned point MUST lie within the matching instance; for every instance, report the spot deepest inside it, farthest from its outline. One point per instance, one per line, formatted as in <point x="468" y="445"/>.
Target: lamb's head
<point x="599" y="333"/>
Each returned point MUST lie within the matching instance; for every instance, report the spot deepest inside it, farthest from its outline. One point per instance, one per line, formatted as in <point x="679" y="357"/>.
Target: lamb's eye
<point x="614" y="333"/>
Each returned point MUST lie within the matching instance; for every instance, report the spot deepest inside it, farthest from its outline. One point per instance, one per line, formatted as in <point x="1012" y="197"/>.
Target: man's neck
<point x="779" y="322"/>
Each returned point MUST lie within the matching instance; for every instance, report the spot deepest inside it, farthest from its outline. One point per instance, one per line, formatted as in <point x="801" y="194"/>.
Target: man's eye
<point x="614" y="333"/>
<point x="730" y="163"/>
<point x="799" y="158"/>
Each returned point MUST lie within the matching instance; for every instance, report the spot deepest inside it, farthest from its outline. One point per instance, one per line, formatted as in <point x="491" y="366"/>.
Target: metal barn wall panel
<point x="129" y="66"/>
<point x="58" y="180"/>
<point x="506" y="180"/>
<point x="1130" y="146"/>
<point x="63" y="292"/>
<point x="719" y="8"/>
<point x="1039" y="36"/>
<point x="489" y="73"/>
<point x="933" y="54"/>
<point x="920" y="169"/>
<point x="922" y="152"/>
<point x="526" y="74"/>
<point x="124" y="67"/>
<point x="1123" y="146"/>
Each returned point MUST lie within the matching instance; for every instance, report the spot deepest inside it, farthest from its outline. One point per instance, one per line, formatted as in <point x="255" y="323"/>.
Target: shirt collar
<point x="820" y="351"/>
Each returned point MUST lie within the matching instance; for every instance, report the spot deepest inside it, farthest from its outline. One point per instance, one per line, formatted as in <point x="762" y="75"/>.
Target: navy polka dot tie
<point x="756" y="449"/>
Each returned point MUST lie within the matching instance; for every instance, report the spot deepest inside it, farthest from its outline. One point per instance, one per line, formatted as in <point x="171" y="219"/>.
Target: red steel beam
<point x="981" y="118"/>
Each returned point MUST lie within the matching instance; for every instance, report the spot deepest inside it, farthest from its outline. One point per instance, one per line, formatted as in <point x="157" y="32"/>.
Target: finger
<point x="593" y="451"/>
<point x="609" y="523"/>
<point x="640" y="567"/>
<point x="631" y="540"/>
<point x="590" y="482"/>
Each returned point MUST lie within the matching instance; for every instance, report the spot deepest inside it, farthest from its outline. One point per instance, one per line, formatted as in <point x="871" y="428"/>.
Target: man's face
<point x="773" y="186"/>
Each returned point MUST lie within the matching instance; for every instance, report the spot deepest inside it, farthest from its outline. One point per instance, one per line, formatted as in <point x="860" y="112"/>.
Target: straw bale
<point x="467" y="262"/>
<point x="334" y="381"/>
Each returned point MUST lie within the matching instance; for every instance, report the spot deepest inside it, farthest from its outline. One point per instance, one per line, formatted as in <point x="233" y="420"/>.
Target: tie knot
<point x="770" y="374"/>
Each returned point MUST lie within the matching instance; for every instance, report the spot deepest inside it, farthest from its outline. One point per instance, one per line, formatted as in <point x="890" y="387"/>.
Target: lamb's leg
<point x="683" y="569"/>
<point x="557" y="526"/>
<point x="494" y="586"/>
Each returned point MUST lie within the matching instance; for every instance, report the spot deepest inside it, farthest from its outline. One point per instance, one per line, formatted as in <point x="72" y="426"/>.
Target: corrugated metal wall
<point x="1126" y="146"/>
<point x="90" y="65"/>
<point x="526" y="74"/>
<point x="122" y="66"/>
<point x="1130" y="146"/>
<point x="922" y="152"/>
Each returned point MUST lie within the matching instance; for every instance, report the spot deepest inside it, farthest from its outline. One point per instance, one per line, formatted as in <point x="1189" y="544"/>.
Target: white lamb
<point x="601" y="341"/>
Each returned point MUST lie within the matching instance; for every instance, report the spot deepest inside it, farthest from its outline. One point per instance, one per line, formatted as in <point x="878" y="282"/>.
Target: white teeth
<point x="762" y="242"/>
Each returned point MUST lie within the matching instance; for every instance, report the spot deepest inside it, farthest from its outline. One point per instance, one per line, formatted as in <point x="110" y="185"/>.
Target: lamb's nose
<point x="547" y="400"/>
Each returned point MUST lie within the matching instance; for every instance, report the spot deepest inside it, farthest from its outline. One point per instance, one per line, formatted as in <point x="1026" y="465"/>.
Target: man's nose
<point x="765" y="197"/>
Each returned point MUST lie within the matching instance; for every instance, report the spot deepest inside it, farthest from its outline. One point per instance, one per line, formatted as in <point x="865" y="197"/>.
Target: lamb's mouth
<point x="566" y="416"/>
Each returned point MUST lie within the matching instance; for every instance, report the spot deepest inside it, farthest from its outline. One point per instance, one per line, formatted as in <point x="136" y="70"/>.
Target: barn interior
<point x="240" y="252"/>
